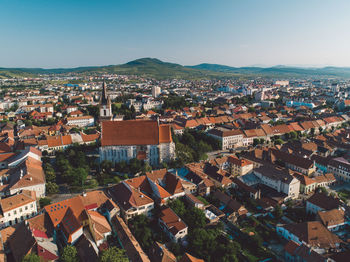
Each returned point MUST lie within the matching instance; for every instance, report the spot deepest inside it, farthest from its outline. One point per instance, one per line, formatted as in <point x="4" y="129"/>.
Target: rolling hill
<point x="278" y="71"/>
<point x="155" y="68"/>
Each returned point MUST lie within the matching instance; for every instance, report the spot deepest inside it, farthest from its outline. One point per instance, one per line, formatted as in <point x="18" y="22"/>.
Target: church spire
<point x="105" y="104"/>
<point x="104" y="96"/>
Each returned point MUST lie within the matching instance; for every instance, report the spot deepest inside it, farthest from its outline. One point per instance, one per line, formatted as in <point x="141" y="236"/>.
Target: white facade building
<point x="156" y="91"/>
<point x="228" y="138"/>
<point x="17" y="208"/>
<point x="81" y="121"/>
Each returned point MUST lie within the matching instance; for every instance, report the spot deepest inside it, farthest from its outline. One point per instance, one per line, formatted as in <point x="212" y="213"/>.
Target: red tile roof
<point x="131" y="132"/>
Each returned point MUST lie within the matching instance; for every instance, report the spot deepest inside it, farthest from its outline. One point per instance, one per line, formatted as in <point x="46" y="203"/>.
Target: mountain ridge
<point x="155" y="68"/>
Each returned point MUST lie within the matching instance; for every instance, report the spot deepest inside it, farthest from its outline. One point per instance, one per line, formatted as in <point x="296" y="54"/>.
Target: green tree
<point x="140" y="227"/>
<point x="78" y="176"/>
<point x="114" y="254"/>
<point x="51" y="188"/>
<point x="106" y="166"/>
<point x="195" y="218"/>
<point x="178" y="207"/>
<point x="69" y="254"/>
<point x="278" y="212"/>
<point x="31" y="258"/>
<point x="256" y="142"/>
<point x="28" y="122"/>
<point x="44" y="201"/>
<point x="50" y="173"/>
<point x="278" y="141"/>
<point x="293" y="135"/>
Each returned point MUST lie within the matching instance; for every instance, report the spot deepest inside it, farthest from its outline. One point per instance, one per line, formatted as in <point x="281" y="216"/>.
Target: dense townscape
<point x="113" y="167"/>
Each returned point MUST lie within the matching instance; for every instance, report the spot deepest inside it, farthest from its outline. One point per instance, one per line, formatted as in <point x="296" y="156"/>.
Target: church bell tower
<point x="105" y="105"/>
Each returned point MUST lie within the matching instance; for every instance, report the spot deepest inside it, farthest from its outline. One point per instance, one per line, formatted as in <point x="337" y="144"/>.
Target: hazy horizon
<point x="254" y="65"/>
<point x="66" y="34"/>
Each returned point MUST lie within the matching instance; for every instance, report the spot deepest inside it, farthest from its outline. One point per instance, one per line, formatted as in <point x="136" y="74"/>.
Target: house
<point x="307" y="184"/>
<point x="325" y="180"/>
<point x="4" y="159"/>
<point x="71" y="217"/>
<point x="172" y="225"/>
<point x="228" y="138"/>
<point x="312" y="234"/>
<point x="340" y="167"/>
<point x="201" y="180"/>
<point x="245" y="189"/>
<point x="219" y="177"/>
<point x="31" y="236"/>
<point x="293" y="162"/>
<point x="239" y="167"/>
<point x="294" y="252"/>
<point x="81" y="121"/>
<point x="320" y="202"/>
<point x="25" y="173"/>
<point x="279" y="180"/>
<point x="99" y="227"/>
<point x="17" y="208"/>
<point x="333" y="220"/>
<point x="162" y="179"/>
<point x="71" y="109"/>
<point x="194" y="201"/>
<point x="131" y="201"/>
<point x="232" y="207"/>
<point x="159" y="185"/>
<point x="142" y="139"/>
<point x="46" y="108"/>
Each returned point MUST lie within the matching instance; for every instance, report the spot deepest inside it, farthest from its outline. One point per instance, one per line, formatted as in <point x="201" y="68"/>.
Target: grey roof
<point x="275" y="174"/>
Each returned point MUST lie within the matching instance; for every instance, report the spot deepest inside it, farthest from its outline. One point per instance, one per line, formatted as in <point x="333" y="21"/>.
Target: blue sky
<point x="62" y="33"/>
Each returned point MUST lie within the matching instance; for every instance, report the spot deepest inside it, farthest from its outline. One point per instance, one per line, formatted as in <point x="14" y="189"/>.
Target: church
<point x="145" y="140"/>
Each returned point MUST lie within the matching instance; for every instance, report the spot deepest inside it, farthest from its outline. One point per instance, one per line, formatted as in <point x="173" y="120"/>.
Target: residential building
<point x="340" y="167"/>
<point x="81" y="121"/>
<point x="279" y="180"/>
<point x="239" y="167"/>
<point x="320" y="202"/>
<point x="156" y="90"/>
<point x="17" y="208"/>
<point x="172" y="225"/>
<point x="333" y="220"/>
<point x="228" y="138"/>
<point x="131" y="201"/>
<point x="312" y="234"/>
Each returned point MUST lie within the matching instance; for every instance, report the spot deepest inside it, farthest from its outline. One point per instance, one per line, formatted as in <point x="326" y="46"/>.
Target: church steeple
<point x="104" y="97"/>
<point x="105" y="104"/>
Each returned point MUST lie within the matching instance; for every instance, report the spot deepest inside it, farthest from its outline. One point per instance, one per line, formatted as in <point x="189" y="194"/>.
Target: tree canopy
<point x="114" y="254"/>
<point x="69" y="254"/>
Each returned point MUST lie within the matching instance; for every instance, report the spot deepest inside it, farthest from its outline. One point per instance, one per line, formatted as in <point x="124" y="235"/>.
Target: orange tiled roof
<point x="17" y="201"/>
<point x="131" y="132"/>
